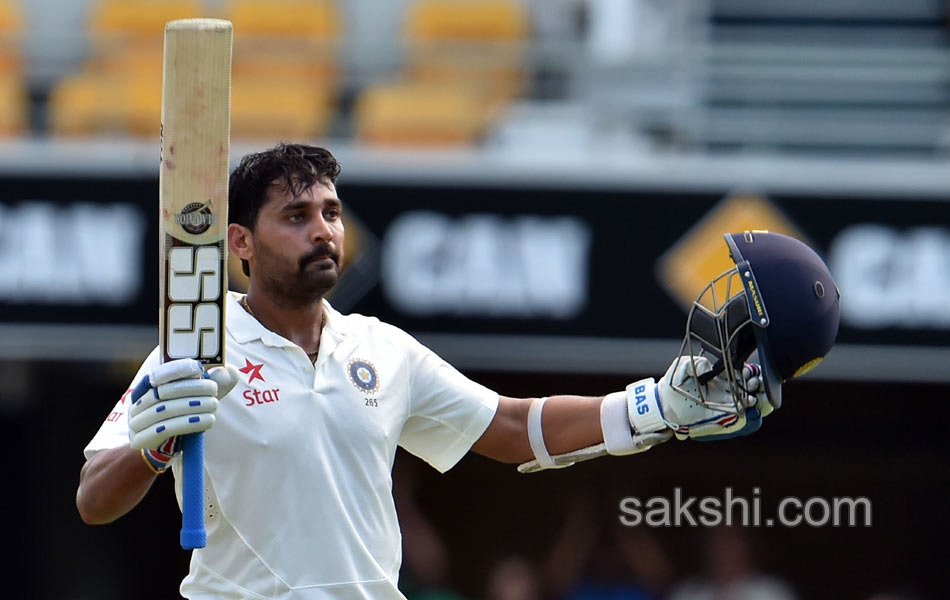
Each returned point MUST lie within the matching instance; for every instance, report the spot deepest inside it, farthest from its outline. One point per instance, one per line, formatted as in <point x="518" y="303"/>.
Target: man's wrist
<point x="615" y="425"/>
<point x="158" y="459"/>
<point x="643" y="407"/>
<point x="155" y="461"/>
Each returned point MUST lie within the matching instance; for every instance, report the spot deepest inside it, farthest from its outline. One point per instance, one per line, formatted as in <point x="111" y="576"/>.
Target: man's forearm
<point x="571" y="422"/>
<point x="111" y="484"/>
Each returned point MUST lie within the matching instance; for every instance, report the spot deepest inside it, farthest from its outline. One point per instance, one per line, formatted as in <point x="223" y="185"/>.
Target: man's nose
<point x="321" y="230"/>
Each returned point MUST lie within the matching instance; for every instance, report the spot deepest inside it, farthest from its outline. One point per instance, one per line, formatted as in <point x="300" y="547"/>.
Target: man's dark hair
<point x="296" y="167"/>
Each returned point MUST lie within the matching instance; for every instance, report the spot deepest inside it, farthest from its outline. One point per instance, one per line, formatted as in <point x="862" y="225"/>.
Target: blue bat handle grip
<point x="193" y="533"/>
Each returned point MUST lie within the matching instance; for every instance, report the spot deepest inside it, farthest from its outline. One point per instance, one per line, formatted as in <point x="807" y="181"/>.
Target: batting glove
<point x="655" y="406"/>
<point x="177" y="398"/>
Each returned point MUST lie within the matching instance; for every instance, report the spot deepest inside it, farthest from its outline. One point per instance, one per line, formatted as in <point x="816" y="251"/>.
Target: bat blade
<point x="193" y="220"/>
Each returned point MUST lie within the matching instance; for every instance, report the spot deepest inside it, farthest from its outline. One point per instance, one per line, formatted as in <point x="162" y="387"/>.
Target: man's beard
<point x="309" y="283"/>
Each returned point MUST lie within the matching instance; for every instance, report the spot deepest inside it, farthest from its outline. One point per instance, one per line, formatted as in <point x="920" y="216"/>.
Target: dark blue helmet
<point x="792" y="301"/>
<point x="779" y="301"/>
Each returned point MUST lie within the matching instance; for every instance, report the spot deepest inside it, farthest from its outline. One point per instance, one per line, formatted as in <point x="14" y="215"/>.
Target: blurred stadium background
<point x="534" y="188"/>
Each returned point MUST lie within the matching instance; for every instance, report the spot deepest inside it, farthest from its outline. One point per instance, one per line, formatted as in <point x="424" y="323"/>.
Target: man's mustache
<point x="319" y="251"/>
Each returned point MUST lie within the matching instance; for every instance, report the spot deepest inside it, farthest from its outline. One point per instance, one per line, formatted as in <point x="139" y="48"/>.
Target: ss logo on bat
<point x="194" y="314"/>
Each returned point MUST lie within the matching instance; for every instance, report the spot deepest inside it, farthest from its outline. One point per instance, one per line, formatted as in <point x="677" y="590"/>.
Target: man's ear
<point x="240" y="241"/>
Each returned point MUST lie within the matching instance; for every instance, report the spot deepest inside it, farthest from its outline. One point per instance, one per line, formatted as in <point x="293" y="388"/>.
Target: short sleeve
<point x="448" y="411"/>
<point x="114" y="431"/>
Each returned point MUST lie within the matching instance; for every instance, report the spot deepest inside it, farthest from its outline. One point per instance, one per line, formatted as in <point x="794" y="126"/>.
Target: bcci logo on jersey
<point x="363" y="375"/>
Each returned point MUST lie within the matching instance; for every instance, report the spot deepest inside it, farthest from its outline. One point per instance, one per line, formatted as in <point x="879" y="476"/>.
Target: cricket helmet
<point x="779" y="301"/>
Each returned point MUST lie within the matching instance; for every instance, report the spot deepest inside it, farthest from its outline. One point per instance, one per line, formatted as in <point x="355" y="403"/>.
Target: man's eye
<point x="332" y="214"/>
<point x="295" y="217"/>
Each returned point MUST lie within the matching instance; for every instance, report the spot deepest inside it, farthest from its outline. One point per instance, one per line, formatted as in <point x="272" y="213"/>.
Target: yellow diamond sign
<point x="701" y="254"/>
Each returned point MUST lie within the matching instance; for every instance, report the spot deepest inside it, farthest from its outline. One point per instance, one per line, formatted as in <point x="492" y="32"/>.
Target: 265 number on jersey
<point x="193" y="314"/>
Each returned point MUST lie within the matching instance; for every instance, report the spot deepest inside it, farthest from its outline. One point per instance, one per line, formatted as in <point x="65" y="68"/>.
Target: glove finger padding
<point x="176" y="398"/>
<point x="170" y="391"/>
<point x="187" y="387"/>
<point x="226" y="377"/>
<point x="173" y="370"/>
<point x="752" y="380"/>
<point x="718" y="417"/>
<point x="155" y="436"/>
<point x="160" y="395"/>
<point x="680" y="385"/>
<point x="192" y="405"/>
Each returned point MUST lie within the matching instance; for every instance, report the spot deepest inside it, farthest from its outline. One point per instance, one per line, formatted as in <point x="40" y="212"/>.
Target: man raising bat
<point x="299" y="455"/>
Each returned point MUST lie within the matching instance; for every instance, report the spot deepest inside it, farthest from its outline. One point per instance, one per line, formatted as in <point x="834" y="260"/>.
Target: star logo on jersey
<point x="253" y="371"/>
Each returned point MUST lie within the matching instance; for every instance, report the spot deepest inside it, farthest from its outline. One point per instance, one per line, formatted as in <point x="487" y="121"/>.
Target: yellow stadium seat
<point x="144" y="112"/>
<point x="86" y="105"/>
<point x="137" y="62"/>
<point x="278" y="109"/>
<point x="421" y="115"/>
<point x="478" y="43"/>
<point x="127" y="34"/>
<point x="97" y="104"/>
<point x="472" y="20"/>
<point x="282" y="68"/>
<point x="294" y="39"/>
<point x="13" y="106"/>
<point x="314" y="19"/>
<point x="119" y="89"/>
<point x="11" y="29"/>
<point x="75" y="105"/>
<point x="290" y="64"/>
<point x="11" y="18"/>
<point x="139" y="18"/>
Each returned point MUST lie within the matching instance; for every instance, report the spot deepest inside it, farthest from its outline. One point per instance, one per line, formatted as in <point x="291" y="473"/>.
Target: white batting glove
<point x="655" y="406"/>
<point x="619" y="438"/>
<point x="177" y="398"/>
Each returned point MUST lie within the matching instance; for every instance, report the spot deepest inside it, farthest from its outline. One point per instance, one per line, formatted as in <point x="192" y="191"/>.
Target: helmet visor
<point x="719" y="328"/>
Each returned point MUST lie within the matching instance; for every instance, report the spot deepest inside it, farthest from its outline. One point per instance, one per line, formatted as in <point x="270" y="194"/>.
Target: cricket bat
<point x="193" y="220"/>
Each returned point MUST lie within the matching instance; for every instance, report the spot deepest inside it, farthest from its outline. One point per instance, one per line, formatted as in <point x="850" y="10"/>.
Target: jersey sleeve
<point x="114" y="431"/>
<point x="448" y="411"/>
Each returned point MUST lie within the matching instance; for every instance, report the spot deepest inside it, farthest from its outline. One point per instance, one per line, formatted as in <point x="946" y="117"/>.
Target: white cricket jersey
<point x="298" y="464"/>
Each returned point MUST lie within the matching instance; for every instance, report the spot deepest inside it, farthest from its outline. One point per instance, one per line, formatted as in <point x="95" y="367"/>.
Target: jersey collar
<point x="245" y="328"/>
